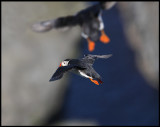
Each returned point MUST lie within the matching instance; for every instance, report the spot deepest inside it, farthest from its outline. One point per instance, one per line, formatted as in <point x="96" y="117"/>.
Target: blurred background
<point x="130" y="92"/>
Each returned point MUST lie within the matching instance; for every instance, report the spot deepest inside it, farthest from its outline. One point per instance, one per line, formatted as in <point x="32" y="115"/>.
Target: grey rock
<point x="29" y="60"/>
<point x="141" y="22"/>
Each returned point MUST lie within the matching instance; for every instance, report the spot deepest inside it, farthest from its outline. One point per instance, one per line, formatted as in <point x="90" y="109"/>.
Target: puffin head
<point x="64" y="63"/>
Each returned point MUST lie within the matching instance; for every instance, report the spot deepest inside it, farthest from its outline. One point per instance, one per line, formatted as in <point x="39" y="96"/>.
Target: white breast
<point x="84" y="75"/>
<point x="101" y="27"/>
<point x="84" y="35"/>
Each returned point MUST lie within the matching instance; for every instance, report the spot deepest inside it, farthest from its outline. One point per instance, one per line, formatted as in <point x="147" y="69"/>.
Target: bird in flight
<point x="82" y="66"/>
<point x="89" y="19"/>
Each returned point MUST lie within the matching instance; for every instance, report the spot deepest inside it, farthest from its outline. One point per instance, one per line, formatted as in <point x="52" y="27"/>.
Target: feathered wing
<point x="70" y="21"/>
<point x="107" y="5"/>
<point x="61" y="22"/>
<point x="102" y="56"/>
<point x="91" y="58"/>
<point x="59" y="72"/>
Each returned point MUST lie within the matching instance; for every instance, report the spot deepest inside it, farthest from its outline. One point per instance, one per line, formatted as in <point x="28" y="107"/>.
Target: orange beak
<point x="60" y="65"/>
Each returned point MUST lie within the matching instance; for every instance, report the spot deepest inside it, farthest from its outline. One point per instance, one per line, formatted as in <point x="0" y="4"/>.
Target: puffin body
<point x="90" y="20"/>
<point x="82" y="66"/>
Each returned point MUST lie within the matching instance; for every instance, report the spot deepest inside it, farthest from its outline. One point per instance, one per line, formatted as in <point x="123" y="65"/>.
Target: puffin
<point x="82" y="67"/>
<point x="90" y="21"/>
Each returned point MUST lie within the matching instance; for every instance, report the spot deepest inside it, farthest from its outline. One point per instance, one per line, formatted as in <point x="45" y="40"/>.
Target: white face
<point x="65" y="63"/>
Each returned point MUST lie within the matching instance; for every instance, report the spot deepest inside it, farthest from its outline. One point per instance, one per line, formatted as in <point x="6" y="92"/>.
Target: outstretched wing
<point x="61" y="22"/>
<point x="91" y="58"/>
<point x="60" y="71"/>
<point x="107" y="5"/>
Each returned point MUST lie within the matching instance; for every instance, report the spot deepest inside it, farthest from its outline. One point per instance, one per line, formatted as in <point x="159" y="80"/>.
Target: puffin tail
<point x="100" y="81"/>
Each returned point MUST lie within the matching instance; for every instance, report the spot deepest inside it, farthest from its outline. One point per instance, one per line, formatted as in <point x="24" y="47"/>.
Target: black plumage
<point x="89" y="19"/>
<point x="83" y="66"/>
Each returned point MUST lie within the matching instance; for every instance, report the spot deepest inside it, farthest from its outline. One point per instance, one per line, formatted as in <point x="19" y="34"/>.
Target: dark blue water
<point x="125" y="98"/>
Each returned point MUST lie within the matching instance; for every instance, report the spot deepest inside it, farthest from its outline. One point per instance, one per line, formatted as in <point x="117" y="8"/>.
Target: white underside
<point x="101" y="27"/>
<point x="84" y="35"/>
<point x="84" y="75"/>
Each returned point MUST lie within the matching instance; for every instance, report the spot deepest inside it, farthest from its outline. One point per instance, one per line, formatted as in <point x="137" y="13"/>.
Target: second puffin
<point x="82" y="66"/>
<point x="90" y="20"/>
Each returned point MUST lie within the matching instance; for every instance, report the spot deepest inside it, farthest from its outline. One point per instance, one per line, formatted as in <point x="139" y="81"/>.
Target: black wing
<point x="91" y="58"/>
<point x="60" y="71"/>
<point x="61" y="22"/>
<point x="94" y="10"/>
<point x="107" y="5"/>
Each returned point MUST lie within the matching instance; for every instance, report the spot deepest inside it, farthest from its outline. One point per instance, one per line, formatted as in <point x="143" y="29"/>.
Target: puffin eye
<point x="64" y="63"/>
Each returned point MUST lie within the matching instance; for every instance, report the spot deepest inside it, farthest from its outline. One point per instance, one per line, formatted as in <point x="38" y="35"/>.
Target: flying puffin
<point x="81" y="66"/>
<point x="90" y="20"/>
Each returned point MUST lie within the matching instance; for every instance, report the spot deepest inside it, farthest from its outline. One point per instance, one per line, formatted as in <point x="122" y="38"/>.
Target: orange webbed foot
<point x="104" y="38"/>
<point x="94" y="81"/>
<point x="91" y="45"/>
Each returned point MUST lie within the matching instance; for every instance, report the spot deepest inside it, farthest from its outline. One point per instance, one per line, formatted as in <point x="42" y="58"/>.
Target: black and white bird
<point x="90" y="20"/>
<point x="82" y="66"/>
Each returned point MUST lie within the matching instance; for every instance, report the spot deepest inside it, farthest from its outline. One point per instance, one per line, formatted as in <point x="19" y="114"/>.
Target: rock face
<point x="29" y="59"/>
<point x="141" y="20"/>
